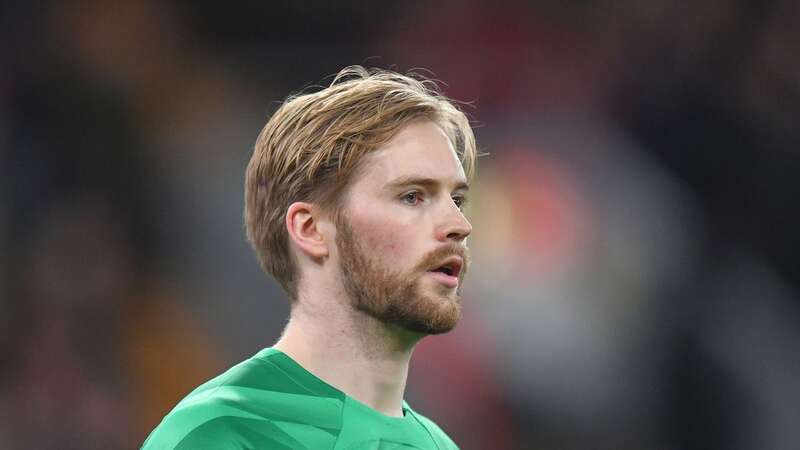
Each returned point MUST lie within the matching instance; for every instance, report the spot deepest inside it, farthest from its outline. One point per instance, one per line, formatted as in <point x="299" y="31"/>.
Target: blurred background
<point x="636" y="267"/>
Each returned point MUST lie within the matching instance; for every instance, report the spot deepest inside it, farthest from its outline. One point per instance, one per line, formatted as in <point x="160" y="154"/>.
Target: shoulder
<point x="438" y="435"/>
<point x="225" y="418"/>
<point x="252" y="405"/>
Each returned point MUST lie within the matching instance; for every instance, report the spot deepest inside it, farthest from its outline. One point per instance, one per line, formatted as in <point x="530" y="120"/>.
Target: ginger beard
<point x="395" y="297"/>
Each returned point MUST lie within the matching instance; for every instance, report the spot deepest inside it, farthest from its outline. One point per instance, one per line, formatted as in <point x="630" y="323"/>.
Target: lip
<point x="456" y="263"/>
<point x="447" y="280"/>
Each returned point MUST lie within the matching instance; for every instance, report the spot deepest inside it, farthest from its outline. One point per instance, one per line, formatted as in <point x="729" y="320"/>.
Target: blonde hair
<point x="313" y="144"/>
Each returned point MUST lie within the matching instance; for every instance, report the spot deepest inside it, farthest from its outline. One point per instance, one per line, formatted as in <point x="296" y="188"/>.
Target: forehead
<point x="419" y="150"/>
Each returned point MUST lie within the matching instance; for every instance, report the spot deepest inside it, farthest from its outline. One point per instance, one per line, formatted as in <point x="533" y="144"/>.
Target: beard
<point x="395" y="297"/>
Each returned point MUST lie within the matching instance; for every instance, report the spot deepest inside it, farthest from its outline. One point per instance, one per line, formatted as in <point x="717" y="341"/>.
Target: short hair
<point x="313" y="144"/>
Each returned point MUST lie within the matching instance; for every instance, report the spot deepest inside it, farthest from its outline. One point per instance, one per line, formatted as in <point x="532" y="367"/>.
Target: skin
<point x="399" y="230"/>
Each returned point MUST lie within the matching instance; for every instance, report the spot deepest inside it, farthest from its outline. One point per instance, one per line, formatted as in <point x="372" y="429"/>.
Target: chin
<point x="442" y="315"/>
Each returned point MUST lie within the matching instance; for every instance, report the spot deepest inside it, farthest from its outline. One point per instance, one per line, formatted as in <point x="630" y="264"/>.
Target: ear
<point x="303" y="225"/>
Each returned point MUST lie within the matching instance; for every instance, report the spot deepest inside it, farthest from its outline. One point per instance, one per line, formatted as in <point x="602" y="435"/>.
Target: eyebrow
<point x="422" y="181"/>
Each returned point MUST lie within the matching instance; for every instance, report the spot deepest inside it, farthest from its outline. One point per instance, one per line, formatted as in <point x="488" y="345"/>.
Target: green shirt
<point x="271" y="402"/>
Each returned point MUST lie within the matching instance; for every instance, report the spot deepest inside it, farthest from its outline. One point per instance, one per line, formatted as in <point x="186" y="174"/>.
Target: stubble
<point x="396" y="297"/>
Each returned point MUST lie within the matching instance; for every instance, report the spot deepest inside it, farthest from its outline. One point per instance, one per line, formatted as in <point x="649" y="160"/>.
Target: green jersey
<point x="271" y="402"/>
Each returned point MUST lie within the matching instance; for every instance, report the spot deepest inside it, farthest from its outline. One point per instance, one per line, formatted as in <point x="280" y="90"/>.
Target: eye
<point x="411" y="198"/>
<point x="460" y="201"/>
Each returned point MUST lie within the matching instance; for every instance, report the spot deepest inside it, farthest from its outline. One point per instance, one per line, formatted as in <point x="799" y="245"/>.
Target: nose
<point x="453" y="226"/>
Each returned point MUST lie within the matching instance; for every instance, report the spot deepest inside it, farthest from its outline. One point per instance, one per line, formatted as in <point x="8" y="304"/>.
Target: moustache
<point x="436" y="256"/>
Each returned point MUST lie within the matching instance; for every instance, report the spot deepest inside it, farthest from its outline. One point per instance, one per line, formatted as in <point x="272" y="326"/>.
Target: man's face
<point x="401" y="236"/>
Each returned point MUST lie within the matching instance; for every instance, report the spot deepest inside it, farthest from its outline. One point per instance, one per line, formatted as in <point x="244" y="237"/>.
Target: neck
<point x="355" y="353"/>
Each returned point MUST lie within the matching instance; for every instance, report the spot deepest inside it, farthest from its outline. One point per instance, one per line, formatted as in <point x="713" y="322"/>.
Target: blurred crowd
<point x="636" y="275"/>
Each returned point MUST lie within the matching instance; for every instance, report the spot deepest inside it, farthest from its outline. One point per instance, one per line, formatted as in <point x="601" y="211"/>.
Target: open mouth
<point x="450" y="266"/>
<point x="446" y="270"/>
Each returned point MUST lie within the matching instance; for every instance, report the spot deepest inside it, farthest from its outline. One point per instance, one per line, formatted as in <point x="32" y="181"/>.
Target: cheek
<point x="386" y="242"/>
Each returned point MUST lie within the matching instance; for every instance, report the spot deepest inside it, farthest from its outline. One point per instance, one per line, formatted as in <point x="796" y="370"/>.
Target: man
<point x="353" y="202"/>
